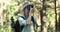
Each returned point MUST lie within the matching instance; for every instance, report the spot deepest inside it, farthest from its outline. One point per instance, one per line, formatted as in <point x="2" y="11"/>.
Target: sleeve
<point x="21" y="21"/>
<point x="35" y="20"/>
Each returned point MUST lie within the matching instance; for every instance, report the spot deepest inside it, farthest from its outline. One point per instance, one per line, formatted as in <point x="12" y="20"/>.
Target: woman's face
<point x="26" y="12"/>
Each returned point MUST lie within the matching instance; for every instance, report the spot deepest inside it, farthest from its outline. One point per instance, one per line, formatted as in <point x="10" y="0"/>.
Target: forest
<point x="47" y="13"/>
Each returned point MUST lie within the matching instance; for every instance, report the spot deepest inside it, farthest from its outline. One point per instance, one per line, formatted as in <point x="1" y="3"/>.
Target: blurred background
<point x="47" y="13"/>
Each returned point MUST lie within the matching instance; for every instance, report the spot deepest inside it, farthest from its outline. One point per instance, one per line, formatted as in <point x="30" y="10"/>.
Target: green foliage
<point x="50" y="14"/>
<point x="13" y="5"/>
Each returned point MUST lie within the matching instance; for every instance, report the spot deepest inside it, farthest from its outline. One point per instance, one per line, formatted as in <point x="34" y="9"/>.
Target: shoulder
<point x="20" y="18"/>
<point x="34" y="17"/>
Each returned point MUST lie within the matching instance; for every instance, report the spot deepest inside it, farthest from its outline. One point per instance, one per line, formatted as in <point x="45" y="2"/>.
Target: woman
<point x="29" y="20"/>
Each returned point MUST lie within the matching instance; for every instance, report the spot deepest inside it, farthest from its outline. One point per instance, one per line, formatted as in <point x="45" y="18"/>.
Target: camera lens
<point x="29" y="7"/>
